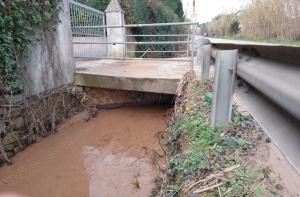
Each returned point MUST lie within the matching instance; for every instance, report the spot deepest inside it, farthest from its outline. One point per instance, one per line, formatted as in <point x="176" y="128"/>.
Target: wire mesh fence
<point x="87" y="18"/>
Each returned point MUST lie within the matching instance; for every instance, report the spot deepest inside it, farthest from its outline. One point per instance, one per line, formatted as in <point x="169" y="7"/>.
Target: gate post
<point x="115" y="17"/>
<point x="226" y="62"/>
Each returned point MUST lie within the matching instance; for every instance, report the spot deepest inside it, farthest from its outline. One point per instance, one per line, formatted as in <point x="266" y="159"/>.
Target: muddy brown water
<point x="98" y="158"/>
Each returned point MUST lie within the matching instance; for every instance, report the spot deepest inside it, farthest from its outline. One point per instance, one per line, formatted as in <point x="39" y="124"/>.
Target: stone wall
<point x="49" y="95"/>
<point x="27" y="121"/>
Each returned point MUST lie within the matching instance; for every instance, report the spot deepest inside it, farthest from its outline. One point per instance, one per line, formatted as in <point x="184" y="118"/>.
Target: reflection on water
<point x="109" y="174"/>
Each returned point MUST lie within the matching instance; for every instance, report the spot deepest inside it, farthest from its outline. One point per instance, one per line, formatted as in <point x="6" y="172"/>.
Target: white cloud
<point x="206" y="10"/>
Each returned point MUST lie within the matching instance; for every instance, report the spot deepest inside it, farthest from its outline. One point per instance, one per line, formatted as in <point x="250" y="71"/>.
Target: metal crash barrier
<point x="224" y="78"/>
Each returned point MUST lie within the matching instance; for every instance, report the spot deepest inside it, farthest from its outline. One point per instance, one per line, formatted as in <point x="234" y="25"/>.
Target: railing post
<point x="126" y="46"/>
<point x="193" y="46"/>
<point x="105" y="35"/>
<point x="226" y="61"/>
<point x="188" y="45"/>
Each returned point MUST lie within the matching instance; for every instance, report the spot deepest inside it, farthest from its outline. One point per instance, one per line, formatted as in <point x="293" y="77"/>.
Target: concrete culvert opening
<point x="112" y="148"/>
<point x="112" y="99"/>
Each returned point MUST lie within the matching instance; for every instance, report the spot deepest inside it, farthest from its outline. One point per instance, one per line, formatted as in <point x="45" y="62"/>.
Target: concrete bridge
<point x="136" y="75"/>
<point x="106" y="56"/>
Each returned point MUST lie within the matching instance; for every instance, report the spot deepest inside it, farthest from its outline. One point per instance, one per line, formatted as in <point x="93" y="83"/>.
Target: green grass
<point x="272" y="41"/>
<point x="211" y="150"/>
<point x="198" y="151"/>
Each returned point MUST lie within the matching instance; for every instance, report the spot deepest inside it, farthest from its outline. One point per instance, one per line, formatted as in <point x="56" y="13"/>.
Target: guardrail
<point x="189" y="42"/>
<point x="277" y="79"/>
<point x="224" y="77"/>
<point x="272" y="96"/>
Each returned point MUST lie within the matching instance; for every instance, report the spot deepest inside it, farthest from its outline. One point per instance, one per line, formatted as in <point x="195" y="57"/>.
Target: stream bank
<point x="232" y="160"/>
<point x="130" y="142"/>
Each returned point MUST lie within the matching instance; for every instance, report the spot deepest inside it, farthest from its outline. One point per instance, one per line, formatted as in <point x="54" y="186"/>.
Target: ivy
<point x="20" y="20"/>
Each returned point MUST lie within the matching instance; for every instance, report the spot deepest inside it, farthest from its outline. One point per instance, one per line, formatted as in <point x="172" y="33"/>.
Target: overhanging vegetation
<point x="20" y="22"/>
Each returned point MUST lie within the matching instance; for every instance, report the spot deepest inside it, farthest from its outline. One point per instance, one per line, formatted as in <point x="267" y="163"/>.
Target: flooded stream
<point x="102" y="157"/>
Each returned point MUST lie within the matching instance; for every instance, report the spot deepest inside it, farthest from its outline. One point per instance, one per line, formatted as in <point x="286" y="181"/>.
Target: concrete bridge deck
<point x="136" y="75"/>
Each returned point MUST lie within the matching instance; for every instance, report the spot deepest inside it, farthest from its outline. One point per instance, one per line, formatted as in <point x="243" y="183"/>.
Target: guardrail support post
<point x="199" y="53"/>
<point x="206" y="57"/>
<point x="226" y="61"/>
<point x="193" y="46"/>
<point x="188" y="46"/>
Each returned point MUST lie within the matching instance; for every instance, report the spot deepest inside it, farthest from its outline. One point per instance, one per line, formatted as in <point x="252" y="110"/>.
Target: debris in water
<point x="136" y="183"/>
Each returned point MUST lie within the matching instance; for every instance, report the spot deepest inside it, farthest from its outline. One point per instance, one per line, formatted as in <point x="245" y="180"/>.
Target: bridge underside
<point x="135" y="75"/>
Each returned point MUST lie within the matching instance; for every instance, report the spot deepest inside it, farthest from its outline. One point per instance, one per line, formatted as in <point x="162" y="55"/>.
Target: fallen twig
<point x="7" y="105"/>
<point x="219" y="190"/>
<point x="254" y="189"/>
<point x="217" y="176"/>
<point x="208" y="188"/>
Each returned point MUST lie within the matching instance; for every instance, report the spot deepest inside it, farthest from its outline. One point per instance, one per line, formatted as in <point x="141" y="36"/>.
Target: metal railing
<point x="160" y="51"/>
<point x="142" y="25"/>
<point x="188" y="41"/>
<point x="84" y="16"/>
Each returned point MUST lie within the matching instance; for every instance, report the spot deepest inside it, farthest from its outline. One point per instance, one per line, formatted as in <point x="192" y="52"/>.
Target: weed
<point x="245" y="182"/>
<point x="136" y="183"/>
<point x="206" y="160"/>
<point x="268" y="140"/>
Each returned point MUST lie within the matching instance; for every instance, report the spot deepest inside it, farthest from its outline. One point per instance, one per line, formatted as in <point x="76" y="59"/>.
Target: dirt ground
<point x="283" y="176"/>
<point x="103" y="157"/>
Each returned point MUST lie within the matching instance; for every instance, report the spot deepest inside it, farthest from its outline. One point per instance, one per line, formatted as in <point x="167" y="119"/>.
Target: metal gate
<point x="83" y="22"/>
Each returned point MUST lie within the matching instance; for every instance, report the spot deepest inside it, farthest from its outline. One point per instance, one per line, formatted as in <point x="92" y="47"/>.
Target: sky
<point x="206" y="10"/>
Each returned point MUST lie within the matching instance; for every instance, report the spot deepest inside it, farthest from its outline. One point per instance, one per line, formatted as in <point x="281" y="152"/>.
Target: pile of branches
<point x="40" y="114"/>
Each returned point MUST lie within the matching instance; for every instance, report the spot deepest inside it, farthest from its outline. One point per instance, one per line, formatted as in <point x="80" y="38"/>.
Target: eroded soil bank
<point x="106" y="156"/>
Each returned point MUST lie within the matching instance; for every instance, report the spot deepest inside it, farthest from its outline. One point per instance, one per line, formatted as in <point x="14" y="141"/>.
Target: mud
<point x="103" y="157"/>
